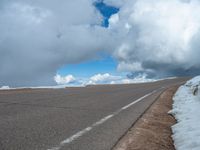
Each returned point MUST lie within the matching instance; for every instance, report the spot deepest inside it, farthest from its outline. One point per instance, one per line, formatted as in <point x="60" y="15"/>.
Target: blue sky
<point x="106" y="11"/>
<point x="103" y="64"/>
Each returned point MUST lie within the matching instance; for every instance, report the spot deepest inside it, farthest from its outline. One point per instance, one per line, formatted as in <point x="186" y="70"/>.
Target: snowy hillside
<point x="186" y="109"/>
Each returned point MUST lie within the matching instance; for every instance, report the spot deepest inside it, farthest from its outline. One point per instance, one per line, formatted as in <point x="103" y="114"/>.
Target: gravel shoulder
<point x="153" y="130"/>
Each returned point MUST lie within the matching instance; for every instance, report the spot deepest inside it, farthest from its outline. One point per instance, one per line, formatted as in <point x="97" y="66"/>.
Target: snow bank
<point x="38" y="87"/>
<point x="4" y="88"/>
<point x="186" y="109"/>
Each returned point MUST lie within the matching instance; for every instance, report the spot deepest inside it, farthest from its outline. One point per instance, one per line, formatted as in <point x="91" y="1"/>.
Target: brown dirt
<point x="153" y="130"/>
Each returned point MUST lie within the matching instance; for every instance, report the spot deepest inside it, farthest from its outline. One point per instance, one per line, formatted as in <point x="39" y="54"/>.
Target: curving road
<point x="87" y="118"/>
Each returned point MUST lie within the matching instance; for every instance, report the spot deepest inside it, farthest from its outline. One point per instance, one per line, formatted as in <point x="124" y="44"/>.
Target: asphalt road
<point x="87" y="118"/>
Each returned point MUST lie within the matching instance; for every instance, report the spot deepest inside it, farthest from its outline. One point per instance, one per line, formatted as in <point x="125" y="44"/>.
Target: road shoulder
<point x="153" y="129"/>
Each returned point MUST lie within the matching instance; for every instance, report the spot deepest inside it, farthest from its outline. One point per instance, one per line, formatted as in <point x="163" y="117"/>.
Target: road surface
<point x="87" y="118"/>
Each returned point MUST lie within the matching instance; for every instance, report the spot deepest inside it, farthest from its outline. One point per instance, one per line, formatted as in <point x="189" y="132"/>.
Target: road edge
<point x="136" y="137"/>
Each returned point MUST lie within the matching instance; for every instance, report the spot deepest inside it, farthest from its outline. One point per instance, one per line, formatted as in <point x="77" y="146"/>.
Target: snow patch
<point x="186" y="109"/>
<point x="5" y="88"/>
<point x="40" y="87"/>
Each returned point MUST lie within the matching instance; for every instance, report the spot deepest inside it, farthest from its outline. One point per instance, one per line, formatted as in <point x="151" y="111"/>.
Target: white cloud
<point x="159" y="35"/>
<point x="40" y="36"/>
<point x="140" y="78"/>
<point x="116" y="3"/>
<point x="113" y="19"/>
<point x="111" y="79"/>
<point x="103" y="79"/>
<point x="64" y="79"/>
<point x="136" y="66"/>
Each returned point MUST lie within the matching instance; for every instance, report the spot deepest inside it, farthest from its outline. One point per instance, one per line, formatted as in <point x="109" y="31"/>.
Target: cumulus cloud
<point x="116" y="3"/>
<point x="158" y="36"/>
<point x="95" y="79"/>
<point x="64" y="79"/>
<point x="139" y="78"/>
<point x="37" y="37"/>
<point x="103" y="79"/>
<point x="113" y="79"/>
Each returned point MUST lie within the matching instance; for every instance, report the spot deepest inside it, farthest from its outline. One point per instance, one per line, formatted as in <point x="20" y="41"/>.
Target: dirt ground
<point x="153" y="130"/>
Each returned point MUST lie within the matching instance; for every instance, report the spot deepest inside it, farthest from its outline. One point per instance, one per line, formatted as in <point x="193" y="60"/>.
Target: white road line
<point x="75" y="136"/>
<point x="129" y="105"/>
<point x="101" y="121"/>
